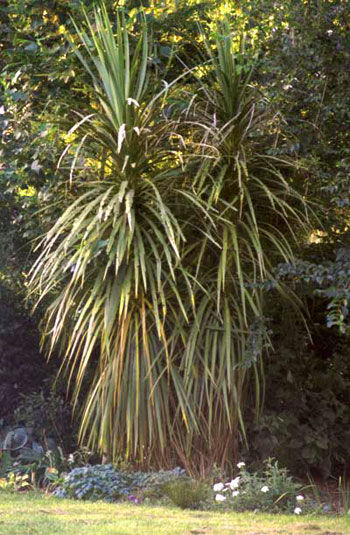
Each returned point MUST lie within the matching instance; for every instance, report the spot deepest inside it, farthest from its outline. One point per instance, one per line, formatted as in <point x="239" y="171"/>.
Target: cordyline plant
<point x="252" y="218"/>
<point x="152" y="270"/>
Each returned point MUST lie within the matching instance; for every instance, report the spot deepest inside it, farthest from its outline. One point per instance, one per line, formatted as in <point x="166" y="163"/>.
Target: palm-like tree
<point x="112" y="259"/>
<point x="249" y="217"/>
<point x="153" y="267"/>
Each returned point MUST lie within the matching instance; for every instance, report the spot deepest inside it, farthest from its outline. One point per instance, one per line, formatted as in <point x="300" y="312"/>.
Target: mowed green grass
<point x="31" y="514"/>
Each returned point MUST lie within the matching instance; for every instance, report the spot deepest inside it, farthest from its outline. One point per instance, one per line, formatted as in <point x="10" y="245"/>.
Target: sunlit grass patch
<point x="33" y="513"/>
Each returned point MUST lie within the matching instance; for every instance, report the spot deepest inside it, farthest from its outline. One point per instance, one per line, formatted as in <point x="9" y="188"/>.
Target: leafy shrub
<point x="153" y="483"/>
<point x="49" y="414"/>
<point x="187" y="494"/>
<point x="15" y="482"/>
<point x="306" y="419"/>
<point x="44" y="470"/>
<point x="272" y="491"/>
<point x="104" y="482"/>
<point x="34" y="469"/>
<point x="5" y="463"/>
<point x="22" y="367"/>
<point x="94" y="482"/>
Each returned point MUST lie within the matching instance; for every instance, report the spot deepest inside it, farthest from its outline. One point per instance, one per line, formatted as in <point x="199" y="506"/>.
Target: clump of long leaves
<point x="152" y="268"/>
<point x="249" y="217"/>
<point x="112" y="259"/>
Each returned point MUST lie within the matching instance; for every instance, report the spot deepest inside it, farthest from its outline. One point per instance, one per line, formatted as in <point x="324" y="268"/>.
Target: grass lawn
<point x="31" y="514"/>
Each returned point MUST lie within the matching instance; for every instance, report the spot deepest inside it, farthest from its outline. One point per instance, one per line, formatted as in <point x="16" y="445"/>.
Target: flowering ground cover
<point x="36" y="514"/>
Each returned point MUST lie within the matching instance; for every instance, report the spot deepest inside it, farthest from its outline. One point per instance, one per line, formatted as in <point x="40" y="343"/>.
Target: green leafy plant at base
<point x="188" y="494"/>
<point x="273" y="490"/>
<point x="5" y="463"/>
<point x="15" y="482"/>
<point x="105" y="482"/>
<point x="43" y="471"/>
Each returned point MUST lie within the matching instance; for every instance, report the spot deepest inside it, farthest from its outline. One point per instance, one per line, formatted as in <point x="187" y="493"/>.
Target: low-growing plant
<point x="188" y="493"/>
<point x="15" y="482"/>
<point x="43" y="470"/>
<point x="5" y="463"/>
<point x="273" y="490"/>
<point x="40" y="469"/>
<point x="151" y="485"/>
<point x="94" y="482"/>
<point x="106" y="483"/>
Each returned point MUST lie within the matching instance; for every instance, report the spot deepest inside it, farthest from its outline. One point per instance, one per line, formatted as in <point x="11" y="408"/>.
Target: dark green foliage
<point x="49" y="415"/>
<point x="22" y="367"/>
<point x="5" y="463"/>
<point x="37" y="86"/>
<point x="327" y="280"/>
<point x="188" y="494"/>
<point x="304" y="69"/>
<point x="306" y="420"/>
<point x="26" y="391"/>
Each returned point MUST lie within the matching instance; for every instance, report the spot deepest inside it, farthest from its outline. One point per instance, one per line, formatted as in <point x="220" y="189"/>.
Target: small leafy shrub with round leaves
<point x="94" y="483"/>
<point x="104" y="482"/>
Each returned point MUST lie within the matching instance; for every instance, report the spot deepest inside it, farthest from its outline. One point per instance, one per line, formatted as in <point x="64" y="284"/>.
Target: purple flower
<point x="133" y="499"/>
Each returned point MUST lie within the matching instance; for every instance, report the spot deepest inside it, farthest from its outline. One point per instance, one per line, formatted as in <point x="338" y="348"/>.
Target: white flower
<point x="121" y="136"/>
<point x="299" y="498"/>
<point x="235" y="493"/>
<point x="240" y="465"/>
<point x="297" y="510"/>
<point x="234" y="483"/>
<point x="133" y="101"/>
<point x="265" y="488"/>
<point x="217" y="487"/>
<point x="220" y="498"/>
